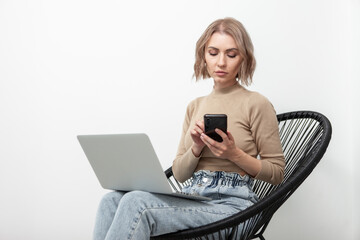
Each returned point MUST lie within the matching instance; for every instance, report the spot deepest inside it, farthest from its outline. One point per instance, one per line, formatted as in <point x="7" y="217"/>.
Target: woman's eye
<point x="212" y="54"/>
<point x="231" y="56"/>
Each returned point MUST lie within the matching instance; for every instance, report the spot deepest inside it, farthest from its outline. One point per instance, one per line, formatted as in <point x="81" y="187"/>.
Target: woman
<point x="223" y="170"/>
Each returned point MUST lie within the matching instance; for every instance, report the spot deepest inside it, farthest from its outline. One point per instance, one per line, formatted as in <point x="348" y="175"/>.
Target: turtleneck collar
<point x="226" y="90"/>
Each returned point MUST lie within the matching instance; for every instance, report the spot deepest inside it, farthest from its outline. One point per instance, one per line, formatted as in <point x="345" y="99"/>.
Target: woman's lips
<point x="220" y="73"/>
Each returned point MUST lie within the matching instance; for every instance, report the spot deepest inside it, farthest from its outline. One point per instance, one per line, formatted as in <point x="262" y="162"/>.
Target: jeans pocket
<point x="242" y="191"/>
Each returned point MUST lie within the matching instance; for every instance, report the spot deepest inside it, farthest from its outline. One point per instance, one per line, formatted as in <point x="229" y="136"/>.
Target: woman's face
<point x="222" y="59"/>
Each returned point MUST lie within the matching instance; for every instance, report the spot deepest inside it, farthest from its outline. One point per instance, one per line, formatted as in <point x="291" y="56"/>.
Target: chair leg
<point x="261" y="237"/>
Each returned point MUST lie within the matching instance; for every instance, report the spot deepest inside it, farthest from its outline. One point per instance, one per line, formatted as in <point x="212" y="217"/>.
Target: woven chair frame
<point x="305" y="136"/>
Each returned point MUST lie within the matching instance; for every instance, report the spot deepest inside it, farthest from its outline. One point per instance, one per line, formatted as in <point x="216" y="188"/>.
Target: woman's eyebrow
<point x="227" y="50"/>
<point x="232" y="49"/>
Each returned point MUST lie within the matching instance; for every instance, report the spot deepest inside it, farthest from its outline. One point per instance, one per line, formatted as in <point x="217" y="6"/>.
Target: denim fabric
<point x="138" y="215"/>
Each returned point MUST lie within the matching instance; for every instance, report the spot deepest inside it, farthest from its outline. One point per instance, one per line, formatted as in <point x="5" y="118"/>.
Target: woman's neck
<point x="219" y="86"/>
<point x="226" y="90"/>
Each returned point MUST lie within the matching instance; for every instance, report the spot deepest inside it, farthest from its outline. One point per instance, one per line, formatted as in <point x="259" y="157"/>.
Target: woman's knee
<point x="137" y="199"/>
<point x="111" y="198"/>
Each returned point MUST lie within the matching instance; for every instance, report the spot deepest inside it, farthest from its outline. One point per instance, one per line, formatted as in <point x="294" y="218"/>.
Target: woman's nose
<point x="221" y="60"/>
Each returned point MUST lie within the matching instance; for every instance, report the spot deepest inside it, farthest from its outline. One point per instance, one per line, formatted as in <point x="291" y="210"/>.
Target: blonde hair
<point x="235" y="29"/>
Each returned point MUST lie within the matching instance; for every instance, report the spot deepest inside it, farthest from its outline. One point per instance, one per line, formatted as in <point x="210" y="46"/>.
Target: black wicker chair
<point x="304" y="136"/>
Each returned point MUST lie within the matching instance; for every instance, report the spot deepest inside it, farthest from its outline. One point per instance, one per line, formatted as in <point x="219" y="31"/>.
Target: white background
<point x="79" y="67"/>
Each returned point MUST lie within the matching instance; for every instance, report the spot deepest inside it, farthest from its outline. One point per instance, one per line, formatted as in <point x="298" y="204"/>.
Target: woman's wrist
<point x="248" y="163"/>
<point x="196" y="150"/>
<point x="238" y="155"/>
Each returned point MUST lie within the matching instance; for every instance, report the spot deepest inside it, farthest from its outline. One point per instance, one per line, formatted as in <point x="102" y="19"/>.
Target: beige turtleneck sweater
<point x="251" y="120"/>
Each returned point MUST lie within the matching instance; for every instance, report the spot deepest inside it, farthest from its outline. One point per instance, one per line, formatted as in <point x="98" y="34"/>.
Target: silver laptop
<point x="128" y="162"/>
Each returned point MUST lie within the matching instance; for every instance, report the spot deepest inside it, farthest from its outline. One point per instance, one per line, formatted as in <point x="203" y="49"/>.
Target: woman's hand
<point x="228" y="150"/>
<point x="225" y="149"/>
<point x="198" y="144"/>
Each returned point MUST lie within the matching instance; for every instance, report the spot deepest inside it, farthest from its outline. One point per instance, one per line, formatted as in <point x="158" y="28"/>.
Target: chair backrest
<point x="300" y="133"/>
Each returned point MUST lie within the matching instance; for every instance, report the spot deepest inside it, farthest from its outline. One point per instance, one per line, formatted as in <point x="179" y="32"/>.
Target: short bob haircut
<point x="235" y="29"/>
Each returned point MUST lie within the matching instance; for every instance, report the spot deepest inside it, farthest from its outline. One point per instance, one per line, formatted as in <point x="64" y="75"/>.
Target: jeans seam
<point x="141" y="212"/>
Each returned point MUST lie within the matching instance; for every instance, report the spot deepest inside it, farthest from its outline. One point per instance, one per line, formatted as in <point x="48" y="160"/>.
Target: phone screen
<point x="213" y="121"/>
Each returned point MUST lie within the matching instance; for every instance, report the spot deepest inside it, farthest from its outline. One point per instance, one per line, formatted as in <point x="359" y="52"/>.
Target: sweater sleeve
<point x="185" y="162"/>
<point x="265" y="131"/>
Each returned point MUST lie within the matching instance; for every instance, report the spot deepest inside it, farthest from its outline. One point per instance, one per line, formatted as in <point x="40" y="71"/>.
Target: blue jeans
<point x="138" y="215"/>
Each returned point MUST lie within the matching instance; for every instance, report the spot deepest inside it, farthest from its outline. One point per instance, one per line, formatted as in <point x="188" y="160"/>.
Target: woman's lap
<point x="139" y="215"/>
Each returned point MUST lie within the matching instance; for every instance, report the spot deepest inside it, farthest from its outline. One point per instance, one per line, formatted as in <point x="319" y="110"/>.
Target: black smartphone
<point x="212" y="121"/>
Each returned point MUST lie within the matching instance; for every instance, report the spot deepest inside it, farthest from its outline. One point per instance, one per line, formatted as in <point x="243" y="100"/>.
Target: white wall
<point x="77" y="67"/>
